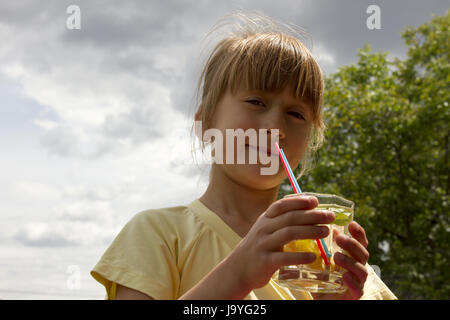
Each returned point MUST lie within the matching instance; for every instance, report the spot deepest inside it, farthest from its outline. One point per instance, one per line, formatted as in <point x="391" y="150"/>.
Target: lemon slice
<point x="308" y="245"/>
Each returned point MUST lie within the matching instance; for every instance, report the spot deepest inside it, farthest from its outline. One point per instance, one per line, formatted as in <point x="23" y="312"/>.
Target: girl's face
<point x="264" y="110"/>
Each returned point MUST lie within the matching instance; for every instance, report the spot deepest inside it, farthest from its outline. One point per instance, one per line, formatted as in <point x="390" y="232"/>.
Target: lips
<point x="261" y="150"/>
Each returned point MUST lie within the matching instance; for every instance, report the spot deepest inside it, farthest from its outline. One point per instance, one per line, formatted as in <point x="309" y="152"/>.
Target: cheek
<point x="300" y="144"/>
<point x="231" y="120"/>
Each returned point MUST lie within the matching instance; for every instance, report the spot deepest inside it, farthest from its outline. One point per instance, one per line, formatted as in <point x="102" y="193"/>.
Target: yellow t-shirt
<point x="165" y="252"/>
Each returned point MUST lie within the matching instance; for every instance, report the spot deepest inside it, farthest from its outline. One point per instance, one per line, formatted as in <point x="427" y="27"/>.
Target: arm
<point x="125" y="293"/>
<point x="220" y="283"/>
<point x="252" y="263"/>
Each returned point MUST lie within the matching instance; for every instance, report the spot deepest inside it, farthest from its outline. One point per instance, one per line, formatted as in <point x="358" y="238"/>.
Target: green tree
<point x="387" y="149"/>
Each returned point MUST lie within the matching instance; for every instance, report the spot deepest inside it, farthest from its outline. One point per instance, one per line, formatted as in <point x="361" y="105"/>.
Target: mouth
<point x="263" y="150"/>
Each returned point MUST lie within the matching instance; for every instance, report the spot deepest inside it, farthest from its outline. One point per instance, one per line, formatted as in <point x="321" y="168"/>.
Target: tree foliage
<point x="387" y="149"/>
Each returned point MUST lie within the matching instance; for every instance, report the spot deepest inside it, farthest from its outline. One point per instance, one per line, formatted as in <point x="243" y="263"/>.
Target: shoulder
<point x="149" y="251"/>
<point x="169" y="217"/>
<point x="163" y="231"/>
<point x="161" y="215"/>
<point x="165" y="222"/>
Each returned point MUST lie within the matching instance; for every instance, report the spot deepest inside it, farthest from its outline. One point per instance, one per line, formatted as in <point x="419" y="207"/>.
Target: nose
<point x="275" y="120"/>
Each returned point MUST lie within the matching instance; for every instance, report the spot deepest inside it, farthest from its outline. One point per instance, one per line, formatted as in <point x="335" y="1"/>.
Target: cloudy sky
<point x="94" y="123"/>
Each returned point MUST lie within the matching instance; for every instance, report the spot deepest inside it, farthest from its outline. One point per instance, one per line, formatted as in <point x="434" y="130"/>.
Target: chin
<point x="256" y="180"/>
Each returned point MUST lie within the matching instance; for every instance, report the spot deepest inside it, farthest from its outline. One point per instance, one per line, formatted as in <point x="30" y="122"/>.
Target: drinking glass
<point x="317" y="276"/>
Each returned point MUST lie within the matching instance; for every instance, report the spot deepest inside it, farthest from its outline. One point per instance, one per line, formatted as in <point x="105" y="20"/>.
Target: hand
<point x="260" y="253"/>
<point x="356" y="275"/>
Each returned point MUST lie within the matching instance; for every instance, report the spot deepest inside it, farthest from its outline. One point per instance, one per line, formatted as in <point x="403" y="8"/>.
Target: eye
<point x="256" y="102"/>
<point x="296" y="115"/>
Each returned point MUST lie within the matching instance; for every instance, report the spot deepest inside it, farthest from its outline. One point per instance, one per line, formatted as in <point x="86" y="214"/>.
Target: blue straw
<point x="290" y="170"/>
<point x="325" y="248"/>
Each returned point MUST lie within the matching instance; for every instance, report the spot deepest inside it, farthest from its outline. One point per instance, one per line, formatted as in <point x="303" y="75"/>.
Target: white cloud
<point x="96" y="196"/>
<point x="34" y="190"/>
<point x="324" y="57"/>
<point x="43" y="234"/>
<point x="115" y="101"/>
<point x="45" y="124"/>
<point x="100" y="101"/>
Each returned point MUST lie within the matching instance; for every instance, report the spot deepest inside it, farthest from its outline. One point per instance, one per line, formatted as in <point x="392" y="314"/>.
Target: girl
<point x="228" y="243"/>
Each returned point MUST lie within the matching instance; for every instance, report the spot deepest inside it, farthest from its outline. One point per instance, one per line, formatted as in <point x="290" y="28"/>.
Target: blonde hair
<point x="265" y="55"/>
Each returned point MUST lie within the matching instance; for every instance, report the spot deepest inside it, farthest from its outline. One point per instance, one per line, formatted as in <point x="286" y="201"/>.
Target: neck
<point x="238" y="205"/>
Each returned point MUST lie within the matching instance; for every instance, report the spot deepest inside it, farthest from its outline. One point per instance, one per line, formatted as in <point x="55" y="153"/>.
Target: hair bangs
<point x="271" y="62"/>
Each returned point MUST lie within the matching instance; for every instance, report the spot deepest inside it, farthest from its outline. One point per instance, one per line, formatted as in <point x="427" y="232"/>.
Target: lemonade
<point x="343" y="217"/>
<point x="317" y="276"/>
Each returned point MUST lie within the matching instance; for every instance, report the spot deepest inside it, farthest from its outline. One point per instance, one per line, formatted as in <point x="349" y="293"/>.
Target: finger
<point x="292" y="218"/>
<point x="358" y="233"/>
<point x="282" y="236"/>
<point x="355" y="287"/>
<point x="280" y="259"/>
<point x="353" y="248"/>
<point x="298" y="202"/>
<point x="351" y="265"/>
<point x="291" y="195"/>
